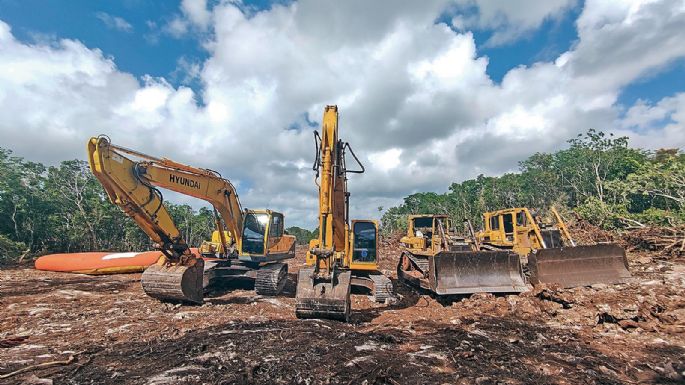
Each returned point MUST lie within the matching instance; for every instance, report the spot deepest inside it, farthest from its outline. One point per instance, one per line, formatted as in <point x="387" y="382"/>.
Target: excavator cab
<point x="364" y="245"/>
<point x="435" y="259"/>
<point x="255" y="233"/>
<point x="549" y="251"/>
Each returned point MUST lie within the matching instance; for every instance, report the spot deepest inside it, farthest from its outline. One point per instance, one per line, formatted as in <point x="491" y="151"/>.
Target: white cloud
<point x="415" y="100"/>
<point x="656" y="125"/>
<point x="386" y="160"/>
<point x="114" y="22"/>
<point x="509" y="20"/>
<point x="177" y="27"/>
<point x="197" y="12"/>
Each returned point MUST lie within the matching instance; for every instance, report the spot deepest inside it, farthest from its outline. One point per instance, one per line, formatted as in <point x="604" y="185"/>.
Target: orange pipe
<point x="98" y="262"/>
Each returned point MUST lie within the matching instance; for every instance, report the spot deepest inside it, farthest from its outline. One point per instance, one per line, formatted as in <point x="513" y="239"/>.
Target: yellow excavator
<point x="436" y="259"/>
<point x="341" y="256"/>
<point x="246" y="243"/>
<point x="552" y="255"/>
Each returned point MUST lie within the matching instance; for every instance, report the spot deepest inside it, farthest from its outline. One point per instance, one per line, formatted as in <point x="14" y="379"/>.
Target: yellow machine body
<point x="549" y="250"/>
<point x="434" y="258"/>
<point x="344" y="254"/>
<point x="361" y="247"/>
<point x="251" y="236"/>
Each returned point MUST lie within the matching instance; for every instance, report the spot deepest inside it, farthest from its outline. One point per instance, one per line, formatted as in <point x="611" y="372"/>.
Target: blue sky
<point x="146" y="49"/>
<point x="417" y="102"/>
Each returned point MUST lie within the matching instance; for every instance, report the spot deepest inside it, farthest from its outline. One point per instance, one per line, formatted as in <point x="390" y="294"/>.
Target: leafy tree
<point x="303" y="235"/>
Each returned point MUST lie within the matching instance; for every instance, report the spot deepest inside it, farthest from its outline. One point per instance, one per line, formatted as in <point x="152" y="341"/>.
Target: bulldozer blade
<point x="468" y="272"/>
<point x="579" y="265"/>
<point x="323" y="299"/>
<point x="174" y="282"/>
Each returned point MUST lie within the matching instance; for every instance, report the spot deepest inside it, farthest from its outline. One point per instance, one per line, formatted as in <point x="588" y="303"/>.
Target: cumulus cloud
<point x="114" y="22"/>
<point x="509" y="20"/>
<point x="415" y="99"/>
<point x="197" y="12"/>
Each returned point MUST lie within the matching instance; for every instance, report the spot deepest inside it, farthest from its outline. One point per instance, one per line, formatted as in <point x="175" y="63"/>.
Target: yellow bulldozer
<point x="344" y="254"/>
<point x="247" y="244"/>
<point x="550" y="252"/>
<point x="436" y="259"/>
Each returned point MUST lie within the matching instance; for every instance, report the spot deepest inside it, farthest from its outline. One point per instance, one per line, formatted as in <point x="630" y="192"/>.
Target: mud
<point x="113" y="333"/>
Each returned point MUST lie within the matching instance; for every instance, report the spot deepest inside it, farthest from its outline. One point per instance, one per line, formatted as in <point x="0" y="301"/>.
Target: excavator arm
<point x="133" y="186"/>
<point x="323" y="291"/>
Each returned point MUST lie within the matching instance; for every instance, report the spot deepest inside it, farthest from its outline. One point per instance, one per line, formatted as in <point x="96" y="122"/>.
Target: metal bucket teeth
<point x="579" y="265"/>
<point x="174" y="282"/>
<point x="466" y="272"/>
<point x="323" y="299"/>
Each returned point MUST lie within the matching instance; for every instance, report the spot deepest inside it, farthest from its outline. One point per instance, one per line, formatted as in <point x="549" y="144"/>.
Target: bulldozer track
<point x="382" y="288"/>
<point x="271" y="279"/>
<point x="421" y="263"/>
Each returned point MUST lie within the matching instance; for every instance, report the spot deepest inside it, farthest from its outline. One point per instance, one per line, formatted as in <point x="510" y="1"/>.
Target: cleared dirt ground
<point x="103" y="329"/>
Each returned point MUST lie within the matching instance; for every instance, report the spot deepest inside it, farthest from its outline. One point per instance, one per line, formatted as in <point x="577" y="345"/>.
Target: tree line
<point x="63" y="208"/>
<point x="598" y="176"/>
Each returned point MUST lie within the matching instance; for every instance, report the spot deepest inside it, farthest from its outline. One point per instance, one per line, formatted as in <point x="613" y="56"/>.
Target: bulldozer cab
<point x="435" y="259"/>
<point x="515" y="229"/>
<point x="423" y="232"/>
<point x="364" y="245"/>
<point x="263" y="237"/>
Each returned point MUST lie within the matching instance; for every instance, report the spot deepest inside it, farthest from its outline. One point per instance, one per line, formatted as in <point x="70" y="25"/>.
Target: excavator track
<point x="382" y="288"/>
<point x="174" y="282"/>
<point x="323" y="299"/>
<point x="271" y="279"/>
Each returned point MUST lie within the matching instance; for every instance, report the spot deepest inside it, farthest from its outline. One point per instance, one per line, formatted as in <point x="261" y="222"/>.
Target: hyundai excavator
<point x="552" y="255"/>
<point x="343" y="255"/>
<point x="246" y="243"/>
<point x="434" y="258"/>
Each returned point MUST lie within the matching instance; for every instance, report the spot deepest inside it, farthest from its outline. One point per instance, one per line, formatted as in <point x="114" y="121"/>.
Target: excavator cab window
<point x="254" y="229"/>
<point x="276" y="227"/>
<point x="364" y="248"/>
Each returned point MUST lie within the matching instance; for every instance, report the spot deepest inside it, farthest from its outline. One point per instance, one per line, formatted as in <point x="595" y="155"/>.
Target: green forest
<point x="598" y="176"/>
<point x="64" y="209"/>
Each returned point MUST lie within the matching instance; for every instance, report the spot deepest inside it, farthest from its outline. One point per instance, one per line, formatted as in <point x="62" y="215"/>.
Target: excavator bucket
<point x="174" y="282"/>
<point x="467" y="272"/>
<point x="323" y="299"/>
<point x="579" y="265"/>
